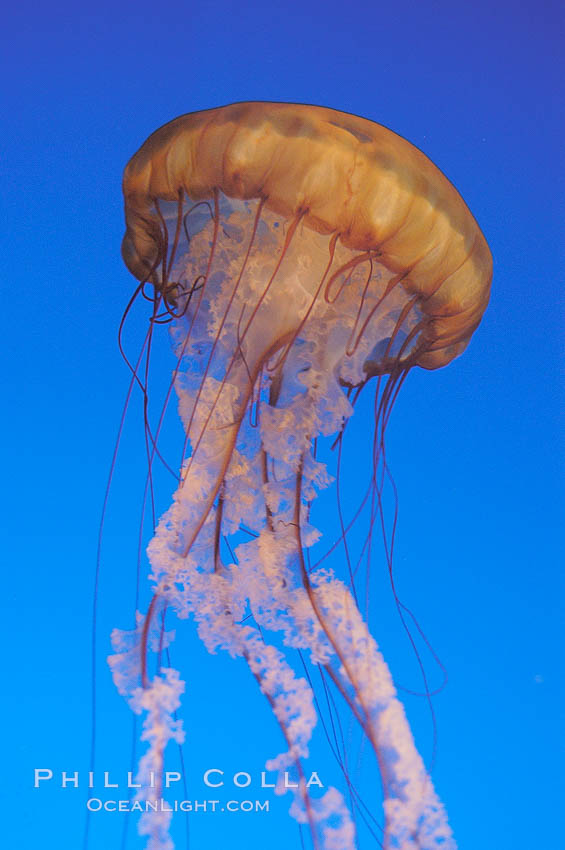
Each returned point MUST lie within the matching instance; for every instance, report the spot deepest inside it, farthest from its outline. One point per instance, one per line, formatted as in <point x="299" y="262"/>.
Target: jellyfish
<point x="298" y="255"/>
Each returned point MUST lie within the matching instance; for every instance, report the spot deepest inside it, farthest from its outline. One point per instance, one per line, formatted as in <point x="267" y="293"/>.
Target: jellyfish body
<point x="298" y="252"/>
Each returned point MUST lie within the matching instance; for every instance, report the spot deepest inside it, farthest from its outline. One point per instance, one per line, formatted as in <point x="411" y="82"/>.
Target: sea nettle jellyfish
<point x="297" y="254"/>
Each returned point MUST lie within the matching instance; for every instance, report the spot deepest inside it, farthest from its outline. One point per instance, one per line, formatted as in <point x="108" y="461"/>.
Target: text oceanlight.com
<point x="96" y="805"/>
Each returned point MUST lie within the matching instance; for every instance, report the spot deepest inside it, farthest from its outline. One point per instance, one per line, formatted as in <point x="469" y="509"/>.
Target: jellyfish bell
<point x="296" y="252"/>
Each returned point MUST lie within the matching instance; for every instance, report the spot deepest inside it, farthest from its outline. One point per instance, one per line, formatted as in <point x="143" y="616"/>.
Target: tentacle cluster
<point x="273" y="324"/>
